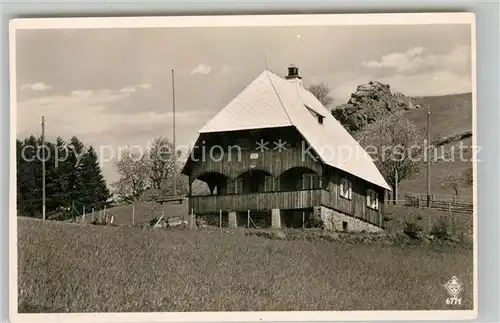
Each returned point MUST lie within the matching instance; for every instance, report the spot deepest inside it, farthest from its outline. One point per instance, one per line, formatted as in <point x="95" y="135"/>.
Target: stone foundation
<point x="334" y="220"/>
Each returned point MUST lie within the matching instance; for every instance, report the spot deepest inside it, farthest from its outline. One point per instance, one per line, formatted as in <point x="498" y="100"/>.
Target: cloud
<point x="438" y="82"/>
<point x="201" y="69"/>
<point x="415" y="60"/>
<point x="86" y="114"/>
<point x="400" y="61"/>
<point x="134" y="88"/>
<point x="128" y="89"/>
<point x="36" y="87"/>
<point x="414" y="72"/>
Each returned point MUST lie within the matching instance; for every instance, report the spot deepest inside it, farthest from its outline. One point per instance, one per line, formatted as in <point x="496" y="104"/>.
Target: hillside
<point x="440" y="169"/>
<point x="450" y="114"/>
<point x="450" y="123"/>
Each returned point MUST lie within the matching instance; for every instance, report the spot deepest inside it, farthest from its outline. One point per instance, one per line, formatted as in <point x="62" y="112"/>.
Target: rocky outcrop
<point x="370" y="102"/>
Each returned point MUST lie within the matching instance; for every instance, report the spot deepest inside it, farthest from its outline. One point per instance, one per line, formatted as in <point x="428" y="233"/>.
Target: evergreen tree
<point x="63" y="171"/>
<point x="29" y="198"/>
<point x="95" y="192"/>
<point x="72" y="177"/>
<point x="75" y="181"/>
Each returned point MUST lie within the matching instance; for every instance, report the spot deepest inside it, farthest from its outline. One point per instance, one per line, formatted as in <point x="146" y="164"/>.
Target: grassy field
<point x="85" y="268"/>
<point x="397" y="215"/>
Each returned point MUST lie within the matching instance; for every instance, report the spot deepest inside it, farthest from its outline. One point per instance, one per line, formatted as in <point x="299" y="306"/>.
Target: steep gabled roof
<point x="271" y="101"/>
<point x="257" y="106"/>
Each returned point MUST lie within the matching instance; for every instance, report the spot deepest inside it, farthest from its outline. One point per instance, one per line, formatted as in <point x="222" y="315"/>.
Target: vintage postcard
<point x="243" y="168"/>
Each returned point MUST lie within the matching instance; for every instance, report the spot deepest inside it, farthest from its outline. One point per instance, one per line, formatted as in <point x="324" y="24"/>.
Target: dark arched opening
<point x="216" y="182"/>
<point x="253" y="181"/>
<point x="299" y="178"/>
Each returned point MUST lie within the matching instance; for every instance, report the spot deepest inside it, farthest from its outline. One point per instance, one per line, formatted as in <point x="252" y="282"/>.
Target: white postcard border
<point x="229" y="21"/>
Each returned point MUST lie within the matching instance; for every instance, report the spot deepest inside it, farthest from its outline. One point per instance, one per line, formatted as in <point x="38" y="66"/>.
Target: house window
<point x="346" y="189"/>
<point x="310" y="181"/>
<point x="372" y="199"/>
<point x="318" y="116"/>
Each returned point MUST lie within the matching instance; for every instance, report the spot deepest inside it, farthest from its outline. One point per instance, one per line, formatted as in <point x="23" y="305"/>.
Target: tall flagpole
<point x="297" y="60"/>
<point x="43" y="167"/>
<point x="173" y="139"/>
<point x="429" y="156"/>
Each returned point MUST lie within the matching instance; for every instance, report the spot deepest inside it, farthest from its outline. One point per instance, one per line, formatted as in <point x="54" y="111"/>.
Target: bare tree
<point x="143" y="177"/>
<point x="394" y="144"/>
<point x="468" y="177"/>
<point x="452" y="181"/>
<point x="134" y="176"/>
<point x="161" y="162"/>
<point x="163" y="166"/>
<point x="457" y="182"/>
<point x="322" y="92"/>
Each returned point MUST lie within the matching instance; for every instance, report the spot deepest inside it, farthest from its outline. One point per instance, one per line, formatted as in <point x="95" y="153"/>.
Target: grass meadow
<point x="87" y="268"/>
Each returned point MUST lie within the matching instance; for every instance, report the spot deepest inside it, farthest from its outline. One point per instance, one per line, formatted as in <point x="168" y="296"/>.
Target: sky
<point x="113" y="87"/>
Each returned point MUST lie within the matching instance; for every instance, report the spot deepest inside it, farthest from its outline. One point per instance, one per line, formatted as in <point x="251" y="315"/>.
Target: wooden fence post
<point x="248" y="219"/>
<point x="449" y="216"/>
<point x="303" y="220"/>
<point x="83" y="215"/>
<point x="192" y="219"/>
<point x="220" y="219"/>
<point x="92" y="214"/>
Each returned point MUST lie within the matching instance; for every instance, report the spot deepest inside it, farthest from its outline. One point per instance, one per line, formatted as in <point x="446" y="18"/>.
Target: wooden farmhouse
<point x="275" y="155"/>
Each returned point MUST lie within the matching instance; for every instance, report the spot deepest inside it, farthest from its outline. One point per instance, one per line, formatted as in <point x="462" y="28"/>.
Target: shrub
<point x="413" y="230"/>
<point x="441" y="229"/>
<point x="314" y="221"/>
<point x="153" y="221"/>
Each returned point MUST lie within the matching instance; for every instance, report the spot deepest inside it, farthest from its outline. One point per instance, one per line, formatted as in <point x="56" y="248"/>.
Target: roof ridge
<point x="277" y="94"/>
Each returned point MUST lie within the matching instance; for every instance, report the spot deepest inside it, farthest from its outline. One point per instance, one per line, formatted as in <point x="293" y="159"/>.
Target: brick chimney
<point x="293" y="73"/>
